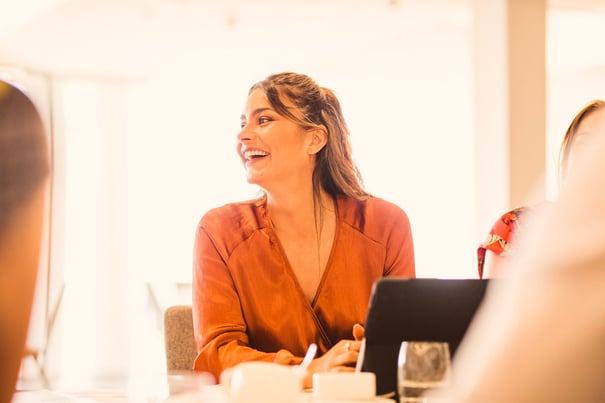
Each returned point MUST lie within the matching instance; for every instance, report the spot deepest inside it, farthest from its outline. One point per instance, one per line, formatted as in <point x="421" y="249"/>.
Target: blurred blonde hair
<point x="572" y="130"/>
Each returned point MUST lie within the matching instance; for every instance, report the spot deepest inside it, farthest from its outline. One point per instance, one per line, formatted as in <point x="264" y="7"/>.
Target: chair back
<point x="178" y="338"/>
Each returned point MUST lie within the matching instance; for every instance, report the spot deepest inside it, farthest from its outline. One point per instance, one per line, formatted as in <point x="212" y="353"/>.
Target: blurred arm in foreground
<point x="539" y="336"/>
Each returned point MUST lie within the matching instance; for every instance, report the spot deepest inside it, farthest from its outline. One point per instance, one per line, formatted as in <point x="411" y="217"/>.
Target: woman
<point x="499" y="243"/>
<point x="296" y="266"/>
<point x="23" y="172"/>
<point x="538" y="336"/>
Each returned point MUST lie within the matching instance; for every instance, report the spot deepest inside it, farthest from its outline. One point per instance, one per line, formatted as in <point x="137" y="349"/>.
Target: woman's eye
<point x="263" y="119"/>
<point x="242" y="124"/>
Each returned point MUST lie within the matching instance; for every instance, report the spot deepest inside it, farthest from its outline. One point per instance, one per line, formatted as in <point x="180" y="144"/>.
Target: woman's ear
<point x="318" y="139"/>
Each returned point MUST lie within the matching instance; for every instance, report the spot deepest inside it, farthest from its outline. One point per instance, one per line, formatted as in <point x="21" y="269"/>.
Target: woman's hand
<point x="340" y="358"/>
<point x="285" y="357"/>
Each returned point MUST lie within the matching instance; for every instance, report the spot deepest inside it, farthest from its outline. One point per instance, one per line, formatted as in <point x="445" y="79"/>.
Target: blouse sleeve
<point x="400" y="260"/>
<point x="219" y="327"/>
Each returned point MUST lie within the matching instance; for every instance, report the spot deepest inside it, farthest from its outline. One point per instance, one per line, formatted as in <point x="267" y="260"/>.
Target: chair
<point x="38" y="354"/>
<point x="178" y="338"/>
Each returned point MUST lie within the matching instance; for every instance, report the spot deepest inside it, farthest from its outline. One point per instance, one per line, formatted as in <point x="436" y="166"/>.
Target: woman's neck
<point x="302" y="208"/>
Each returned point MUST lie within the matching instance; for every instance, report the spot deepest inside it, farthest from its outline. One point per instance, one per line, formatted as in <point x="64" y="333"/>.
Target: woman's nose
<point x="244" y="134"/>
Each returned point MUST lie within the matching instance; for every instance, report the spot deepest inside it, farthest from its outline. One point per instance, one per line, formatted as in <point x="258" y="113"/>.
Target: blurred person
<point x="24" y="168"/>
<point x="539" y="335"/>
<point x="295" y="266"/>
<point x="499" y="244"/>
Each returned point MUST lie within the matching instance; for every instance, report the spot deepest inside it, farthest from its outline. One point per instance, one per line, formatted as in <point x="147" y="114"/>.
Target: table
<point x="210" y="395"/>
<point x="176" y="390"/>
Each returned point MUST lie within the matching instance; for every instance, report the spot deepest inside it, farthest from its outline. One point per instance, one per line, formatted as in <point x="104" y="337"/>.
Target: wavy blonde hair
<point x="318" y="107"/>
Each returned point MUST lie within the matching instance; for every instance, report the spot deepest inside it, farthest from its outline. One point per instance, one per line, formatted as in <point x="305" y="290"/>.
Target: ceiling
<point x="132" y="38"/>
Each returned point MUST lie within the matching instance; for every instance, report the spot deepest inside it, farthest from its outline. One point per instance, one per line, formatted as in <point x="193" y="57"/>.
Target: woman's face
<point x="273" y="149"/>
<point x="592" y="125"/>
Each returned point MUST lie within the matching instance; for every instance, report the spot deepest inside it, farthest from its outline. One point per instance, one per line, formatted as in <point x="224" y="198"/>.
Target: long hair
<point x="24" y="160"/>
<point x="572" y="130"/>
<point x="334" y="170"/>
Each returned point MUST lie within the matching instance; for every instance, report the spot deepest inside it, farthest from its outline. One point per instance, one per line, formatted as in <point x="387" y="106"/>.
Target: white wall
<point x="404" y="91"/>
<point x="146" y="156"/>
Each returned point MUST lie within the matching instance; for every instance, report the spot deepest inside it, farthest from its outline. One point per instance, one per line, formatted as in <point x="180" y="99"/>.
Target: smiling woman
<point x="272" y="276"/>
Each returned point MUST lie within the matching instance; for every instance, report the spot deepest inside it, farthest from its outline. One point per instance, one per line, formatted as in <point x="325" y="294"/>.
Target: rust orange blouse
<point x="247" y="302"/>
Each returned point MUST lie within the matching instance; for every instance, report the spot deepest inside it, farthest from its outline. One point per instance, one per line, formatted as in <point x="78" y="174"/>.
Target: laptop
<point x="420" y="309"/>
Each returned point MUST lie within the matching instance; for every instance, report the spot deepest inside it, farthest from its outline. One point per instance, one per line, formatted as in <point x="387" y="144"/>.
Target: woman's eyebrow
<point x="255" y="112"/>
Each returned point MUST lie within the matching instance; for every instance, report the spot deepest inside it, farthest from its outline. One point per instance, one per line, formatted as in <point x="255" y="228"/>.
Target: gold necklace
<point x="318" y="232"/>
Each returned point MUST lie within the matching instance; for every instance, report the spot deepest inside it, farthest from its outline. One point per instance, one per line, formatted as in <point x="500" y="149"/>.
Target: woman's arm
<point x="492" y="264"/>
<point x="400" y="246"/>
<point x="220" y="329"/>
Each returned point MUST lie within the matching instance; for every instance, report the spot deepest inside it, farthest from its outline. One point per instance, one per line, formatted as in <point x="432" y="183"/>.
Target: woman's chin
<point x="253" y="179"/>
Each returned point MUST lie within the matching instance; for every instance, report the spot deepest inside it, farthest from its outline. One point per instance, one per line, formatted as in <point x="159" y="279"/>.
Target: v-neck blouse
<point x="247" y="301"/>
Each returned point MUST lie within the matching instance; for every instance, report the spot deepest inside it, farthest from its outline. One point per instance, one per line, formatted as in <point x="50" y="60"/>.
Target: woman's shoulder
<point x="370" y="204"/>
<point x="384" y="207"/>
<point x="514" y="216"/>
<point x="248" y="214"/>
<point x="501" y="237"/>
<point x="373" y="210"/>
<point x="504" y="229"/>
<point x="511" y="220"/>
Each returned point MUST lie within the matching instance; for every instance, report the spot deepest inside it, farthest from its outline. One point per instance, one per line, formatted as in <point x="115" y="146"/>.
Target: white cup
<point x="344" y="386"/>
<point x="263" y="382"/>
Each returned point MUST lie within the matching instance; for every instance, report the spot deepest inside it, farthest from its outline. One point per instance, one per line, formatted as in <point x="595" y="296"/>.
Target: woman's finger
<point x="349" y="345"/>
<point x="342" y="368"/>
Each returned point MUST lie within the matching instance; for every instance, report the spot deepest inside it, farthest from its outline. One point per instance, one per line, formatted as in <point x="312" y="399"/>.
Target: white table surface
<point x="204" y="394"/>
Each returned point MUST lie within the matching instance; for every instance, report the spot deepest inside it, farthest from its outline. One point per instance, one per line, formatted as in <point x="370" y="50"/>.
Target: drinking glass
<point x="421" y="366"/>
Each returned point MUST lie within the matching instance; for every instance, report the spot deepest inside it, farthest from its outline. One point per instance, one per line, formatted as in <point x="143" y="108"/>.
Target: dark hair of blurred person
<point x="24" y="168"/>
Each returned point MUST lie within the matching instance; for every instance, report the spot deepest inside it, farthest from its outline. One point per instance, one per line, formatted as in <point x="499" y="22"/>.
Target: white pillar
<point x="509" y="41"/>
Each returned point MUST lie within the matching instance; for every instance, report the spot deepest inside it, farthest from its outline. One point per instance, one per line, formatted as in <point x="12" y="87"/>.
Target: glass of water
<point x="422" y="366"/>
